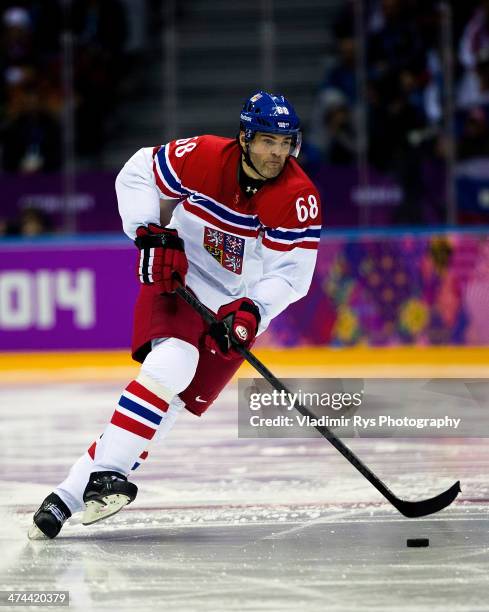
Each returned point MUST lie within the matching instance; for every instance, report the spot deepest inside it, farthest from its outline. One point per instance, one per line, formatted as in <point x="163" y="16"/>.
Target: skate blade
<point x="98" y="511"/>
<point x="35" y="533"/>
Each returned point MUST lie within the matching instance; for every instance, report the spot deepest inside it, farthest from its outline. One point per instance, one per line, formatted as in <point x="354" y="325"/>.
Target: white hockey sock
<point x="133" y="425"/>
<point x="72" y="488"/>
<point x="167" y="422"/>
<point x="143" y="410"/>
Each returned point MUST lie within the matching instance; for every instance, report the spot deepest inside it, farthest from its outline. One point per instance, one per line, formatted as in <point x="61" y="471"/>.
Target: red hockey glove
<point x="237" y="324"/>
<point x="161" y="254"/>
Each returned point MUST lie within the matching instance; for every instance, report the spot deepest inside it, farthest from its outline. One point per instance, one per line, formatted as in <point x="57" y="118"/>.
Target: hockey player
<point x="243" y="237"/>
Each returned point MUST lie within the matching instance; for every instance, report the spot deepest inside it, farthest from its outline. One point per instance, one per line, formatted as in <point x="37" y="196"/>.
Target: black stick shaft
<point x="407" y="508"/>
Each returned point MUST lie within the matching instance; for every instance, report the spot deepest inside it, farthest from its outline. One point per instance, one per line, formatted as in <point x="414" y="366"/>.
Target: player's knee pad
<point x="172" y="363"/>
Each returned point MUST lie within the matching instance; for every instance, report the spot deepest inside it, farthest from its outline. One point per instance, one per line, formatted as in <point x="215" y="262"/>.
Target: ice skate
<point x="49" y="519"/>
<point x="105" y="494"/>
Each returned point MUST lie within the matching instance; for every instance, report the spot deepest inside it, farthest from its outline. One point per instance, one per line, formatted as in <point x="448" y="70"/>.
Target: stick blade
<point x="428" y="506"/>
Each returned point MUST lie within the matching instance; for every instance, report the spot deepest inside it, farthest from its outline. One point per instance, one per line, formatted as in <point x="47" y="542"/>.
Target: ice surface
<point x="224" y="524"/>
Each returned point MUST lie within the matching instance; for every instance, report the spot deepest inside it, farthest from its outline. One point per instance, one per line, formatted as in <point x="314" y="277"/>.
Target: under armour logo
<point x="252" y="190"/>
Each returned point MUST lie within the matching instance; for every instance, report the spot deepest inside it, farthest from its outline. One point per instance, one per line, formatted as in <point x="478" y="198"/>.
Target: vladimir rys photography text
<point x="364" y="408"/>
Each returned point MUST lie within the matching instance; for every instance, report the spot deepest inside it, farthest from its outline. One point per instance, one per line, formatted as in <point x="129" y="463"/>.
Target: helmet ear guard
<point x="295" y="146"/>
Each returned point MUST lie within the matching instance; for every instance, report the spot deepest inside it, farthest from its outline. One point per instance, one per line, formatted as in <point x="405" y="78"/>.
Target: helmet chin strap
<point x="247" y="158"/>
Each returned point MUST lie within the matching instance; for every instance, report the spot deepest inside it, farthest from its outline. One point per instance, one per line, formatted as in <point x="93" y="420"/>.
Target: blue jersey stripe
<point x="284" y="235"/>
<point x="225" y="215"/>
<point x="167" y="175"/>
<point x="125" y="402"/>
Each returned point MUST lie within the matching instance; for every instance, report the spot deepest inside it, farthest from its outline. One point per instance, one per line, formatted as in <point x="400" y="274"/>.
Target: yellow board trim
<point x="290" y="356"/>
<point x="365" y="362"/>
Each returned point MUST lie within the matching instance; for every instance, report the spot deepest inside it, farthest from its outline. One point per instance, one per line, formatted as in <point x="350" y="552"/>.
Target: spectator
<point x="32" y="139"/>
<point x="34" y="222"/>
<point x="475" y="36"/>
<point x="101" y="30"/>
<point x="31" y="222"/>
<point x="341" y="76"/>
<point x="17" y="40"/>
<point x="337" y="89"/>
<point x="340" y="140"/>
<point x="474" y="141"/>
<point x="392" y="119"/>
<point x="394" y="42"/>
<point x="474" y="86"/>
<point x="473" y="56"/>
<point x="47" y="19"/>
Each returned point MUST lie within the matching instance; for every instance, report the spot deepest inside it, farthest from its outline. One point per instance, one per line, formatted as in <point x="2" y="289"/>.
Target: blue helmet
<point x="266" y="112"/>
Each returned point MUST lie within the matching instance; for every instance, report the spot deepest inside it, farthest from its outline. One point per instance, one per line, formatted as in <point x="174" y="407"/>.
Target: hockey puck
<point x="417" y="542"/>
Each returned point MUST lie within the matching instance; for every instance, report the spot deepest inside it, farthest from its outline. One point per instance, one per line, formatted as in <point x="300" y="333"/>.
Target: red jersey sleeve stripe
<point x="280" y="246"/>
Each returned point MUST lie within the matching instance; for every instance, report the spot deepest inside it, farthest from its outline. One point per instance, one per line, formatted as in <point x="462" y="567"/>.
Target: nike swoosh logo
<point x="197" y="399"/>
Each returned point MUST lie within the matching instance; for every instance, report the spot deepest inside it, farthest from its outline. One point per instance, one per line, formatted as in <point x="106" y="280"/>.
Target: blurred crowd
<point x="34" y="35"/>
<point x="405" y="86"/>
<point x="405" y="89"/>
<point x="107" y="41"/>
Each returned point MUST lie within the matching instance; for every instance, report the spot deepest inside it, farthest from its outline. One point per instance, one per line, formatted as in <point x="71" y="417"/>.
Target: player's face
<point x="269" y="152"/>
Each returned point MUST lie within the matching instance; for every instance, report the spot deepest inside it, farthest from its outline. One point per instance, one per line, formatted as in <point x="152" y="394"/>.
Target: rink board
<point x="401" y="288"/>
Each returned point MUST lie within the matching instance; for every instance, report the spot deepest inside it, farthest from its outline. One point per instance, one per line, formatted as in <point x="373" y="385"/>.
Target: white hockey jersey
<point x="263" y="247"/>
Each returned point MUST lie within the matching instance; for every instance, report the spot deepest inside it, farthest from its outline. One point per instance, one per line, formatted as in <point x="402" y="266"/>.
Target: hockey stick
<point x="407" y="508"/>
